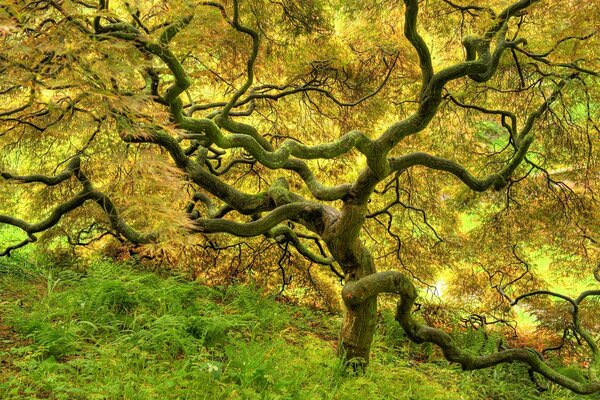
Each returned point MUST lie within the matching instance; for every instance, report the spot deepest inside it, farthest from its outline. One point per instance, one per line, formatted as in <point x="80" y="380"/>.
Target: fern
<point x="167" y="336"/>
<point x="210" y="331"/>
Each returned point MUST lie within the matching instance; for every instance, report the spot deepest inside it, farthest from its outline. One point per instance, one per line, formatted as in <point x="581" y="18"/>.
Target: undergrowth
<point x="109" y="331"/>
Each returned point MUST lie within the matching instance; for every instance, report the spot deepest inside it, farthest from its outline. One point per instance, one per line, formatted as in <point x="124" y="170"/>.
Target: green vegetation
<point x="109" y="331"/>
<point x="441" y="155"/>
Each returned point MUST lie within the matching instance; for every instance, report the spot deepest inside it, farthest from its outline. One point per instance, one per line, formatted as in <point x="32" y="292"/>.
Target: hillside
<point x="110" y="331"/>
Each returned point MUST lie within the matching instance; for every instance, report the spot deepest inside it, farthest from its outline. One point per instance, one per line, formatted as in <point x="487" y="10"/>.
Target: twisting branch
<point x="577" y="326"/>
<point x="498" y="180"/>
<point x="235" y="22"/>
<point x="295" y="211"/>
<point x="438" y="163"/>
<point x="73" y="165"/>
<point x="285" y="233"/>
<point x="223" y="119"/>
<point x="410" y="31"/>
<point x="480" y="65"/>
<point x="370" y="286"/>
<point x="87" y="193"/>
<point x="59" y="211"/>
<point x="247" y="138"/>
<point x="277" y="158"/>
<point x="472" y="9"/>
<point x="203" y="149"/>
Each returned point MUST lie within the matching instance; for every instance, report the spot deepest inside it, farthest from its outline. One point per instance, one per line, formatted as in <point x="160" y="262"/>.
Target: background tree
<point x="306" y="123"/>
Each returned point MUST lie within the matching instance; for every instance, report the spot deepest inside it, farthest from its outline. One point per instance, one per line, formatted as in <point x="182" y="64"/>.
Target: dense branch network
<point x="275" y="211"/>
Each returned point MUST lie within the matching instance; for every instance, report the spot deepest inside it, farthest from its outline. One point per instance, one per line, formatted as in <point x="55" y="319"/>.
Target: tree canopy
<point x="389" y="142"/>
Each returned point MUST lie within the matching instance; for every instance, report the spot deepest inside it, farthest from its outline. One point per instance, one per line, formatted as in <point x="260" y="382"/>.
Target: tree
<point x="115" y="92"/>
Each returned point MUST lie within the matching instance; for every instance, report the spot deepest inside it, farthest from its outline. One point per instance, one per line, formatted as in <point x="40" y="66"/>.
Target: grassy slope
<point x="110" y="332"/>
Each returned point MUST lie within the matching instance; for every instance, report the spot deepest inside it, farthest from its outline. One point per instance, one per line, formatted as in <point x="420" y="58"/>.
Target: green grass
<point x="108" y="331"/>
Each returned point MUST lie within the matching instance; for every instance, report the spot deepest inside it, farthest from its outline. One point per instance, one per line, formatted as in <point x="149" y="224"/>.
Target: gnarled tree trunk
<point x="359" y="322"/>
<point x="343" y="240"/>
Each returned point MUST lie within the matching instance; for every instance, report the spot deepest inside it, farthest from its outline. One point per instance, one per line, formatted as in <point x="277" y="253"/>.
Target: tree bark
<point x="358" y="326"/>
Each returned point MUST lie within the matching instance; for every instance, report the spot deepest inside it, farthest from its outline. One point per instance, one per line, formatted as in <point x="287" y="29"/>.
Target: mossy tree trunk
<point x="343" y="240"/>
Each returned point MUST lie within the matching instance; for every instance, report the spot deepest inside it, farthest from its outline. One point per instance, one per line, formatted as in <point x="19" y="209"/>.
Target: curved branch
<point x="30" y="239"/>
<point x="294" y="211"/>
<point x="480" y="65"/>
<point x="546" y="292"/>
<point x="410" y="31"/>
<point x="471" y="8"/>
<point x="442" y="164"/>
<point x="73" y="166"/>
<point x="280" y="158"/>
<point x="158" y="137"/>
<point x="218" y="6"/>
<point x="50" y="221"/>
<point x="571" y="65"/>
<point x="512" y="10"/>
<point x="244" y="203"/>
<point x="577" y="327"/>
<point x="277" y="158"/>
<point x="355" y="293"/>
<point x="261" y="92"/>
<point x="496" y="180"/>
<point x="559" y="42"/>
<point x="117" y="223"/>
<point x="5" y="113"/>
<point x="291" y="237"/>
<point x="512" y="128"/>
<point x="317" y="189"/>
<point x="394" y="282"/>
<point x="87" y="193"/>
<point x="79" y="200"/>
<point x="250" y="63"/>
<point x="172" y="30"/>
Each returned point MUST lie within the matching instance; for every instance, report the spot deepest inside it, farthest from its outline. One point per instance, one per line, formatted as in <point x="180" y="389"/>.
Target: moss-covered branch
<point x="355" y="293"/>
<point x="295" y="211"/>
<point x="480" y="65"/>
<point x="410" y="31"/>
<point x="290" y="236"/>
<point x="290" y="148"/>
<point x="497" y="180"/>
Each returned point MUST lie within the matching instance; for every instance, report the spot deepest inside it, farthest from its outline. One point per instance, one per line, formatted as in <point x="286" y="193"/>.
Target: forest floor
<point x="110" y="331"/>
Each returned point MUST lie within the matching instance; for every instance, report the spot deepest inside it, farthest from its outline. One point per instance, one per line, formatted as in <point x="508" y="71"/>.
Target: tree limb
<point x="295" y="211"/>
<point x="354" y="293"/>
